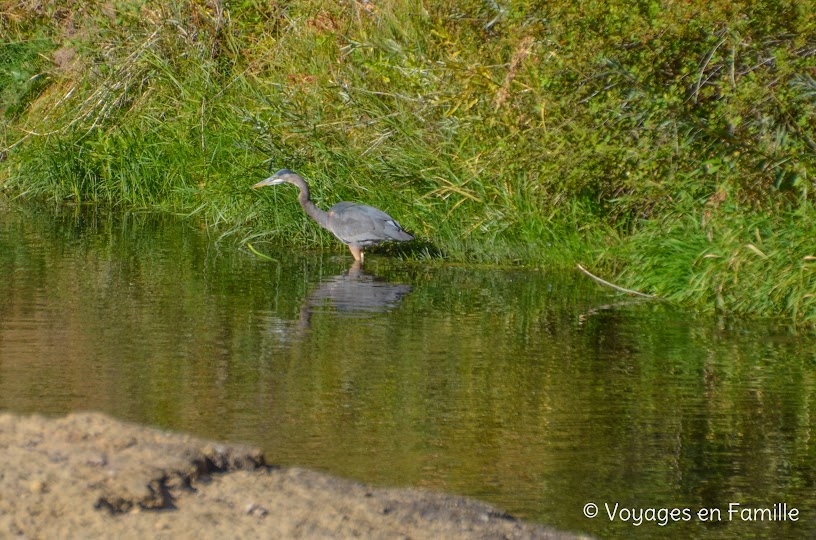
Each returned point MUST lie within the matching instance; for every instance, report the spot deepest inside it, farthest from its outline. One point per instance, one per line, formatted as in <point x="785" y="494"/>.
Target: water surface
<point x="530" y="389"/>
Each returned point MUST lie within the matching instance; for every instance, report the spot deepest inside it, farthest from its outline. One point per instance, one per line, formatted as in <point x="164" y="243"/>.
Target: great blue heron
<point x="356" y="225"/>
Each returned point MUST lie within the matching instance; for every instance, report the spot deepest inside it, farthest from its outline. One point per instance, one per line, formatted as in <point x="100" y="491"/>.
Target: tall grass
<point x="519" y="132"/>
<point x="745" y="263"/>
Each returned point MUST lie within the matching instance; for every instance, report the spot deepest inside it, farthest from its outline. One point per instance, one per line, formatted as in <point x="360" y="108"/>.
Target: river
<point x="535" y="390"/>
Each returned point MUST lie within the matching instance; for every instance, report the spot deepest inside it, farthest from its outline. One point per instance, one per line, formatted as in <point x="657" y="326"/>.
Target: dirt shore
<point x="87" y="475"/>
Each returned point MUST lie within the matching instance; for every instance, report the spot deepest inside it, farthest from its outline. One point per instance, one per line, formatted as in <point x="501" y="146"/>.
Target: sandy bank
<point x="88" y="475"/>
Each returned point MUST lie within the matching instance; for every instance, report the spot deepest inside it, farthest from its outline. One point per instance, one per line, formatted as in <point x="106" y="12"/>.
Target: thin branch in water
<point x="616" y="287"/>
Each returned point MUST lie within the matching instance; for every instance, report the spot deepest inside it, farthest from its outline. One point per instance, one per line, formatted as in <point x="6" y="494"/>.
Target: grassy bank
<point x="671" y="144"/>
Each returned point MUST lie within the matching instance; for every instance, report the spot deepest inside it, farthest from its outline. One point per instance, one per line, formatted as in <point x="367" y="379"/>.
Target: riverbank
<point x="669" y="148"/>
<point x="88" y="475"/>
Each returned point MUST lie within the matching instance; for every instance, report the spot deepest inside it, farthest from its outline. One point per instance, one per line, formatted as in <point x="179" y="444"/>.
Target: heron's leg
<point x="357" y="252"/>
<point x="355" y="270"/>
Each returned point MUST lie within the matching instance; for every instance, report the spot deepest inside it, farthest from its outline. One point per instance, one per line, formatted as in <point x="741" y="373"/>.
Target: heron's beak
<point x="271" y="181"/>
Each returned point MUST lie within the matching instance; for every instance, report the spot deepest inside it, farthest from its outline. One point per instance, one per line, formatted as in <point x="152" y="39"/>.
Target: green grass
<point x="641" y="139"/>
<point x="763" y="265"/>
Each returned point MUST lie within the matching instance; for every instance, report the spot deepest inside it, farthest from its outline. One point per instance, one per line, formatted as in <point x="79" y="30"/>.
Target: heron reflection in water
<point x="353" y="293"/>
<point x="356" y="225"/>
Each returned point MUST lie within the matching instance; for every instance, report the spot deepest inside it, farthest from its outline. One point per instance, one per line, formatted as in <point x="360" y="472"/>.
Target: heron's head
<point x="280" y="177"/>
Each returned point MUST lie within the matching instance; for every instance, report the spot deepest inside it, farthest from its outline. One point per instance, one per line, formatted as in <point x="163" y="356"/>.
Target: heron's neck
<point x="321" y="217"/>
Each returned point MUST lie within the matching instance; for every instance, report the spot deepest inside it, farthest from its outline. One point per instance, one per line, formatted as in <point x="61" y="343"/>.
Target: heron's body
<point x="356" y="225"/>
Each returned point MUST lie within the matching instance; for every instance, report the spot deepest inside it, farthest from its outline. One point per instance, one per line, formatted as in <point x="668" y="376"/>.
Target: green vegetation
<point x="672" y="144"/>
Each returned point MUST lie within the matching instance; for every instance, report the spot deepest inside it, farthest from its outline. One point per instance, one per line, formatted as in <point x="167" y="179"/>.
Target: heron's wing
<point x="363" y="225"/>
